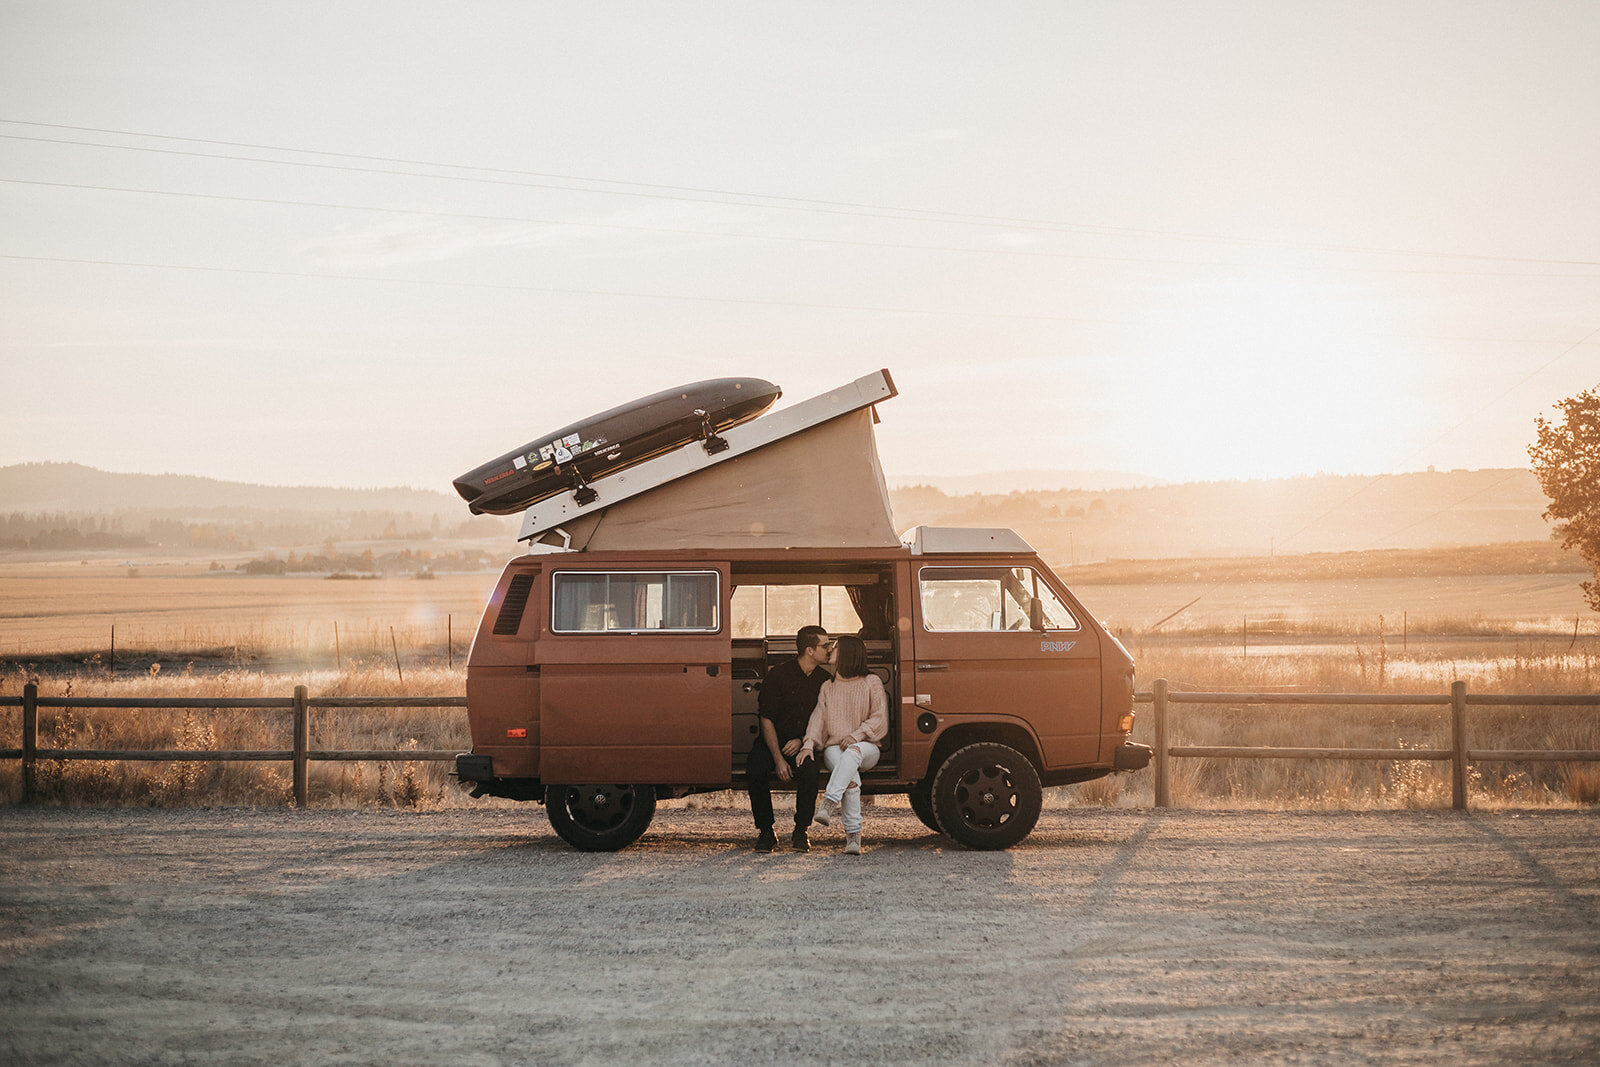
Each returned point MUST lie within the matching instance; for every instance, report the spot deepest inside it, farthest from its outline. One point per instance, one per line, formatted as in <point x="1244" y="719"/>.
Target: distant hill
<point x="74" y="488"/>
<point x="1324" y="513"/>
<point x="1022" y="481"/>
<point x="70" y="508"/>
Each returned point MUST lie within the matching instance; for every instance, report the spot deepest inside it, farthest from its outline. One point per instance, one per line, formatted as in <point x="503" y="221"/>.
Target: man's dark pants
<point x="759" y="772"/>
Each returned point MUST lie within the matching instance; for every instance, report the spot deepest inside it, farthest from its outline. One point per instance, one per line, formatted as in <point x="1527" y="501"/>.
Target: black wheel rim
<point x="598" y="808"/>
<point x="985" y="797"/>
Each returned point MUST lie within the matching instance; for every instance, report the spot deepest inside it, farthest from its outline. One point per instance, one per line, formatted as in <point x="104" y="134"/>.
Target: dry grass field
<point x="177" y="608"/>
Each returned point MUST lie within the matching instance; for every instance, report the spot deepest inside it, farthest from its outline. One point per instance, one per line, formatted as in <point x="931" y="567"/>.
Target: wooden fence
<point x="1161" y="696"/>
<point x="1458" y="753"/>
<point x="300" y="754"/>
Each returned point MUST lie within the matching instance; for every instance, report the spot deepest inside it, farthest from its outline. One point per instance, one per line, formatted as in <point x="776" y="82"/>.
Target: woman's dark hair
<point x="852" y="662"/>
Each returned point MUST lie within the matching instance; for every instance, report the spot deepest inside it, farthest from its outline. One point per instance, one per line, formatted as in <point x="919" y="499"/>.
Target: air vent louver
<point x="510" y="618"/>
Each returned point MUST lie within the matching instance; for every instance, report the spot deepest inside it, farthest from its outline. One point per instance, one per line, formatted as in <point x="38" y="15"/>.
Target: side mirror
<point x="1036" y="615"/>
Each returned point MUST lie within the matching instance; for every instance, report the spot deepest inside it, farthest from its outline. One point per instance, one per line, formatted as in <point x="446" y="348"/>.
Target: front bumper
<point x="1132" y="757"/>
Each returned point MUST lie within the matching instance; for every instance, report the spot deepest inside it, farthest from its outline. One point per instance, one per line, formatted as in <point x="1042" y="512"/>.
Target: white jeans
<point x="844" y="785"/>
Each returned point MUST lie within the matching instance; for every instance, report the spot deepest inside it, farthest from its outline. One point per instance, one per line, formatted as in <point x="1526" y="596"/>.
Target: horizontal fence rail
<point x="1458" y="754"/>
<point x="301" y="754"/>
<point x="1161" y="696"/>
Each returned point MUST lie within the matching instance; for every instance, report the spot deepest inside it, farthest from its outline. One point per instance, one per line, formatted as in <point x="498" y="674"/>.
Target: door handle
<point x="933" y="666"/>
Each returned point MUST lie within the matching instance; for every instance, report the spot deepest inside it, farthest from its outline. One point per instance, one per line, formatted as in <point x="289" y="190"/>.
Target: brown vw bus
<point x="601" y="681"/>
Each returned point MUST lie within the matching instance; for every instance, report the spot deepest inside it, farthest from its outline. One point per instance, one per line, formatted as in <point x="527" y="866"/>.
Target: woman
<point x="851" y="716"/>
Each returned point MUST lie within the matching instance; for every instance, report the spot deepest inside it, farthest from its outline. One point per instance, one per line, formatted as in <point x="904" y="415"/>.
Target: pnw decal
<point x="1057" y="646"/>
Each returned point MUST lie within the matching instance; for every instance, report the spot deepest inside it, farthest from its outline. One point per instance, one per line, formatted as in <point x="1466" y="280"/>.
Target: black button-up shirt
<point x="788" y="696"/>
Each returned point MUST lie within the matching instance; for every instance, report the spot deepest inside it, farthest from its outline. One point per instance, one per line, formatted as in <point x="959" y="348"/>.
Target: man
<point x="788" y="696"/>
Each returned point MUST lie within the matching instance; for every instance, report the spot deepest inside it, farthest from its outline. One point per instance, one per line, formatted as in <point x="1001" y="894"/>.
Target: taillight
<point x="1125" y="724"/>
<point x="517" y="731"/>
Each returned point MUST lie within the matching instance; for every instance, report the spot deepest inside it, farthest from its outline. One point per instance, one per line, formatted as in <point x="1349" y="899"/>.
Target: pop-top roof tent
<point x="805" y="476"/>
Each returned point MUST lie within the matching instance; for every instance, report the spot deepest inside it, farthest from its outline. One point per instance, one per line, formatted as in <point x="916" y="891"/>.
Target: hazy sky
<point x="381" y="243"/>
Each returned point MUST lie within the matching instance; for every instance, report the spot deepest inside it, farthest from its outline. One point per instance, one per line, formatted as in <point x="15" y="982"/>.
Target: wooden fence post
<point x="30" y="739"/>
<point x="1458" y="745"/>
<point x="302" y="743"/>
<point x="1163" y="779"/>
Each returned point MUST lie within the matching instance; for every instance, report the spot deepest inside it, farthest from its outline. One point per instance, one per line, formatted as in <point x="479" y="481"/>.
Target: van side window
<point x="636" y="602"/>
<point x="990" y="599"/>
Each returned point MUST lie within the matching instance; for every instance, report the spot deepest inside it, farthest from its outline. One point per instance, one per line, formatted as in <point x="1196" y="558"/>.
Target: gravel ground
<point x="1109" y="936"/>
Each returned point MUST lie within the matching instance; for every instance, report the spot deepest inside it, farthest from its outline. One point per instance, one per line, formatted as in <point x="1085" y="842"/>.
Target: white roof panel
<point x="934" y="540"/>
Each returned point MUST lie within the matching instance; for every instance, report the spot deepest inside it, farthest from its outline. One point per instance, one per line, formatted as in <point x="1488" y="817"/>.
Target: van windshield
<point x="990" y="598"/>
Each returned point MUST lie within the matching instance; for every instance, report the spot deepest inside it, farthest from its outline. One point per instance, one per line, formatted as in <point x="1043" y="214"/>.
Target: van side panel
<point x="505" y="719"/>
<point x="502" y="690"/>
<point x="1049" y="680"/>
<point x="643" y="707"/>
<point x="916" y="747"/>
<point x="662" y="723"/>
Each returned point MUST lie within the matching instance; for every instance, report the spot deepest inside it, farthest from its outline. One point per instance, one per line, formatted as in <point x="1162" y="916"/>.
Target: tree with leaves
<point x="1566" y="460"/>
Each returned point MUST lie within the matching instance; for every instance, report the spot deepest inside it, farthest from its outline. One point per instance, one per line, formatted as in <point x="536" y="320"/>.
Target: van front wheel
<point x="921" y="796"/>
<point x="987" y="796"/>
<point x="600" y="818"/>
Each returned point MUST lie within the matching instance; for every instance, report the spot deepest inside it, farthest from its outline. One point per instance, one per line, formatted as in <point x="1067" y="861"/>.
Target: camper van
<point x="620" y="661"/>
<point x="599" y="683"/>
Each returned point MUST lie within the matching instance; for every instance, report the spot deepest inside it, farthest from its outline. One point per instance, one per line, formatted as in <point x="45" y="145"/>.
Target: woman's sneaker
<point x="852" y="845"/>
<point x="826" y="810"/>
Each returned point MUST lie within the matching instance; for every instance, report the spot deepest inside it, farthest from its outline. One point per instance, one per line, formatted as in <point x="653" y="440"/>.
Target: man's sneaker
<point x="767" y="841"/>
<point x="799" y="841"/>
<point x="852" y="845"/>
<point x="825" y="810"/>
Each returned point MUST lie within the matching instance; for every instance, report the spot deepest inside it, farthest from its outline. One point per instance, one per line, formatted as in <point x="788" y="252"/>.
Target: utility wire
<point x="256" y="272"/>
<point x="1019" y="316"/>
<point x="788" y="238"/>
<point x="701" y="194"/>
<point x="1444" y="510"/>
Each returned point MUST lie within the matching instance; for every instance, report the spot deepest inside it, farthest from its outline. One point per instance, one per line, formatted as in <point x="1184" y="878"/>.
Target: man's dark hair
<point x="808" y="637"/>
<point x="852" y="661"/>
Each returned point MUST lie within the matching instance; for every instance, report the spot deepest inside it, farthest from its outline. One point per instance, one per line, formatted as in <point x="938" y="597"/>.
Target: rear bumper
<point x="1132" y="757"/>
<point x="475" y="774"/>
<point x="473" y="768"/>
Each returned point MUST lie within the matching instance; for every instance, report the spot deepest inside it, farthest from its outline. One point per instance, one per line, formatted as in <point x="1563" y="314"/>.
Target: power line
<point x="1444" y="510"/>
<point x="786" y="238"/>
<point x="675" y="192"/>
<point x="562" y="291"/>
<point x="1018" y="316"/>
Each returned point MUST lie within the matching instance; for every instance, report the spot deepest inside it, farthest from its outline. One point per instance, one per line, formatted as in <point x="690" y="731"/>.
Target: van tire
<point x="600" y="818"/>
<point x="921" y="797"/>
<point x="987" y="796"/>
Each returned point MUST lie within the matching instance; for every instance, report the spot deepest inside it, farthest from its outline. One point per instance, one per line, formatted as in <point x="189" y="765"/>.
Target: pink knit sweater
<point x="849" y="710"/>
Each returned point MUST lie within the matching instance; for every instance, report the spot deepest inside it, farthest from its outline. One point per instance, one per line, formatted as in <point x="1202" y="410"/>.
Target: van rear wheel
<point x="987" y="796"/>
<point x="600" y="818"/>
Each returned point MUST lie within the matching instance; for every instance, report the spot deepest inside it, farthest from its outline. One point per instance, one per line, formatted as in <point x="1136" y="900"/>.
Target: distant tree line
<point x="243" y="531"/>
<point x="405" y="561"/>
